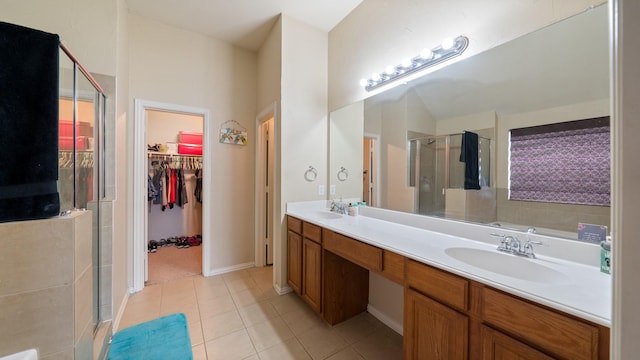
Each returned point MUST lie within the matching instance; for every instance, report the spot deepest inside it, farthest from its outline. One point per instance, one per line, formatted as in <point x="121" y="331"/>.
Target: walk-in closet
<point x="174" y="225"/>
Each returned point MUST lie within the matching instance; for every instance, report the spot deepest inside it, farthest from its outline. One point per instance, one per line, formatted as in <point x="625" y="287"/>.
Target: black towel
<point x="469" y="155"/>
<point x="28" y="123"/>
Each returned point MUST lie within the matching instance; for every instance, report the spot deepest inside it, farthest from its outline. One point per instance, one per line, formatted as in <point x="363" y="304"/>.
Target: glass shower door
<point x="81" y="120"/>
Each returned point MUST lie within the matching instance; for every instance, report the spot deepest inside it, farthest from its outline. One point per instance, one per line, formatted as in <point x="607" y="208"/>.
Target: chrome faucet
<point x="512" y="245"/>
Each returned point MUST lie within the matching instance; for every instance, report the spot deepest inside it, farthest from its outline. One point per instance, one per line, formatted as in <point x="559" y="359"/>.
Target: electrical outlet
<point x="320" y="189"/>
<point x="332" y="189"/>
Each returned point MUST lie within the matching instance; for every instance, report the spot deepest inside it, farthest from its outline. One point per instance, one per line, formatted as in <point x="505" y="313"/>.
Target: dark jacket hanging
<point x="469" y="155"/>
<point x="28" y="123"/>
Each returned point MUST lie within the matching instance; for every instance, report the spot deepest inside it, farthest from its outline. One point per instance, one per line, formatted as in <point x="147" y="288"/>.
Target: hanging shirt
<point x="198" y="190"/>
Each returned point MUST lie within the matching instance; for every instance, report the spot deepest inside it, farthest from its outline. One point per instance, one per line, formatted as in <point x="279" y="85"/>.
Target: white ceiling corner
<point x="244" y="23"/>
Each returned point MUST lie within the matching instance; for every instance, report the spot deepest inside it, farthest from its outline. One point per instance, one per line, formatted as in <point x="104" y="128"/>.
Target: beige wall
<point x="303" y="121"/>
<point x="382" y="32"/>
<point x="346" y="144"/>
<point x="175" y="66"/>
<point x="121" y="277"/>
<point x="87" y="28"/>
<point x="270" y="68"/>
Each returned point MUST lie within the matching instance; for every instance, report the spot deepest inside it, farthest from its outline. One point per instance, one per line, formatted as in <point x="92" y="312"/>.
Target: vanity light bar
<point x="449" y="48"/>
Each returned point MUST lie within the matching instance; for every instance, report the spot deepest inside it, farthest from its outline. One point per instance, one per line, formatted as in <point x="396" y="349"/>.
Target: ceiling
<point x="244" y="23"/>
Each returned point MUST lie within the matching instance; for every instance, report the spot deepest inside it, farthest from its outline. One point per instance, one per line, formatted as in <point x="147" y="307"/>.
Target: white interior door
<point x="268" y="188"/>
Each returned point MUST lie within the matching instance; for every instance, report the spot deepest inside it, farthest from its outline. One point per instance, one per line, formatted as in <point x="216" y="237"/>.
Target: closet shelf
<point x="175" y="161"/>
<point x="161" y="155"/>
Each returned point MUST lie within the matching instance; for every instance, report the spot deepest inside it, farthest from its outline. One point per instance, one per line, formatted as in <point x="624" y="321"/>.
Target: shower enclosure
<point x="81" y="152"/>
<point x="434" y="168"/>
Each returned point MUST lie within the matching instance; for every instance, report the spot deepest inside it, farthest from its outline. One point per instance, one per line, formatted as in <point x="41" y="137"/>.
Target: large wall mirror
<point x="401" y="147"/>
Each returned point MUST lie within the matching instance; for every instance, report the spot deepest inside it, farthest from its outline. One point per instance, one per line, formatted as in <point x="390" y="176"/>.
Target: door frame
<point x="376" y="162"/>
<point x="140" y="173"/>
<point x="260" y="253"/>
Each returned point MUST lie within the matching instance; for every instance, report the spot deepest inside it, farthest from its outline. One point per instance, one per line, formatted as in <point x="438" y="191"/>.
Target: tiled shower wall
<point x="46" y="297"/>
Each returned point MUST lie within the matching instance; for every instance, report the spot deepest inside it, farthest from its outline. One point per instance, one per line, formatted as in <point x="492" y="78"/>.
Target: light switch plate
<point x="320" y="189"/>
<point x="332" y="189"/>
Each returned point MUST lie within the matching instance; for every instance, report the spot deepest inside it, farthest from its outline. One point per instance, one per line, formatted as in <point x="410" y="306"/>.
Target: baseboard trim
<point x="282" y="290"/>
<point x="385" y="319"/>
<point x="229" y="269"/>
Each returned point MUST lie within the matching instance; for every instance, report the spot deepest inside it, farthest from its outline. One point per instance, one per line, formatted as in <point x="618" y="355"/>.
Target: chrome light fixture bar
<point x="449" y="49"/>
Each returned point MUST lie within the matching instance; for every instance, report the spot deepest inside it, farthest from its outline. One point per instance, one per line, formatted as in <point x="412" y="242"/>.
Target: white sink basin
<point x="507" y="265"/>
<point x="328" y="215"/>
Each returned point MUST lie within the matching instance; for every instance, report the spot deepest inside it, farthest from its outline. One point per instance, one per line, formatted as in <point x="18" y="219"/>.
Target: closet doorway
<point x="174" y="220"/>
<point x="144" y="209"/>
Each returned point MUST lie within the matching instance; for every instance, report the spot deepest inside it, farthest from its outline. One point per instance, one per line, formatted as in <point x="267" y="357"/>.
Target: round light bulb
<point x="364" y="82"/>
<point x="390" y="70"/>
<point x="447" y="43"/>
<point x="406" y="62"/>
<point x="426" y="54"/>
<point x="375" y="77"/>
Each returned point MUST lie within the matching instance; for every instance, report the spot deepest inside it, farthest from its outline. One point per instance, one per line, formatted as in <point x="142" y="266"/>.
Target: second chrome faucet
<point x="512" y="245"/>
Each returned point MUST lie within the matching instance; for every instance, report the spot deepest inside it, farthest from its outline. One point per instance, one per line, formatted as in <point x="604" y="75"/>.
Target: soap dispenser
<point x="605" y="256"/>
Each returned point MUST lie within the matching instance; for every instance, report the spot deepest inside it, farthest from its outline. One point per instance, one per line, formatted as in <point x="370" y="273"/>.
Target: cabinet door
<point x="294" y="261"/>
<point x="312" y="273"/>
<point x="498" y="346"/>
<point x="432" y="330"/>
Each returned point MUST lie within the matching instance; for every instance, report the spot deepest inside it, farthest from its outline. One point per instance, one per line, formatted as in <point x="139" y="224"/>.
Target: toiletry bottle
<point x="605" y="256"/>
<point x="351" y="210"/>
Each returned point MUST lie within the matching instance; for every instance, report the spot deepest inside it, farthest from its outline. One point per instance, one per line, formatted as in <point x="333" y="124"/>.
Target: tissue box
<point x="189" y="149"/>
<point x="190" y="138"/>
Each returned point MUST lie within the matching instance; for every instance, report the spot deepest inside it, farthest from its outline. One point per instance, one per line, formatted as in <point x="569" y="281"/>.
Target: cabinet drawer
<point x="312" y="232"/>
<point x="393" y="266"/>
<point x="559" y="335"/>
<point x="365" y="255"/>
<point x="440" y="285"/>
<point x="294" y="225"/>
<point x="496" y="345"/>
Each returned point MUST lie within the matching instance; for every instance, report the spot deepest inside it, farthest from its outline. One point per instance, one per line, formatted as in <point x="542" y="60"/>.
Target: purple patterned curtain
<point x="565" y="163"/>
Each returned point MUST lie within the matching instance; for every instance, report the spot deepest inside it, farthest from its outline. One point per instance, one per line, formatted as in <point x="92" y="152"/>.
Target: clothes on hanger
<point x="168" y="187"/>
<point x="198" y="190"/>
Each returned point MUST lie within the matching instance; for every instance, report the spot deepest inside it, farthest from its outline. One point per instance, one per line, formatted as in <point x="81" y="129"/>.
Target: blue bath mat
<point x="163" y="338"/>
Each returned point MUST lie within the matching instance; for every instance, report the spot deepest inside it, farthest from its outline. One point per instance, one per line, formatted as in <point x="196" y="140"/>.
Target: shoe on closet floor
<point x="153" y="246"/>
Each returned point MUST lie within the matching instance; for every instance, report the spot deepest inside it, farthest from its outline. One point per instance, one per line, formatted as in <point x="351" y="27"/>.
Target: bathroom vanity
<point x="462" y="298"/>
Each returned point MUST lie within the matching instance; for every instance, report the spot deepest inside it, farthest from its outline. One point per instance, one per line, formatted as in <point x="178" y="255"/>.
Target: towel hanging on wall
<point x="469" y="155"/>
<point x="28" y="123"/>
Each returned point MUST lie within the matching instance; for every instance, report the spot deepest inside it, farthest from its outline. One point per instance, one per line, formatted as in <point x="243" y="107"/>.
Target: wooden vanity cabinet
<point x="444" y="310"/>
<point x="304" y="257"/>
<point x="312" y="265"/>
<point x="433" y="330"/>
<point x="436" y="325"/>
<point x="446" y="316"/>
<point x="294" y="254"/>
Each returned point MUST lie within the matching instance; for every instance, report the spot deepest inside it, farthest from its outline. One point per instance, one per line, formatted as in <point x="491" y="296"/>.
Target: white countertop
<point x="582" y="290"/>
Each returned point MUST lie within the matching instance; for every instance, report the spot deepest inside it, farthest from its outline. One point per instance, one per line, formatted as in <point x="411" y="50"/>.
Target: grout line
<point x="204" y="342"/>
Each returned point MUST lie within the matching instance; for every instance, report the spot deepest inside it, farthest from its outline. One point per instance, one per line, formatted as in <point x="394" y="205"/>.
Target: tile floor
<point x="239" y="316"/>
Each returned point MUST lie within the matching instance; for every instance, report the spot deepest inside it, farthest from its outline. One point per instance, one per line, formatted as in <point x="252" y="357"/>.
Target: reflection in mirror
<point x="559" y="73"/>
